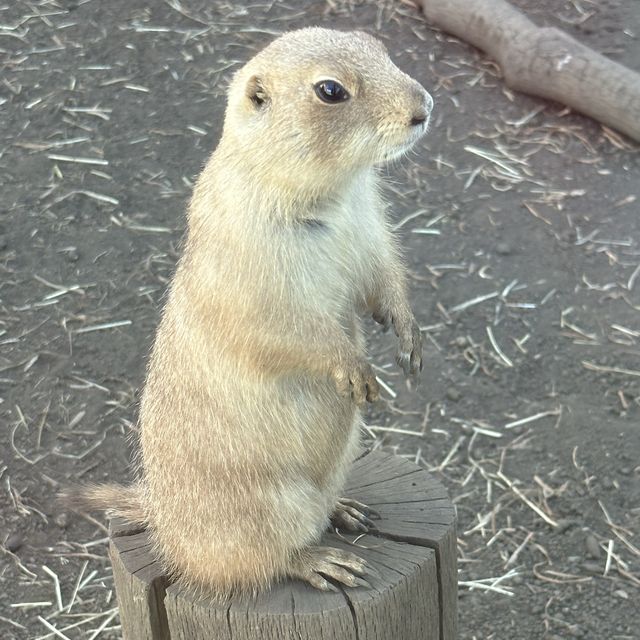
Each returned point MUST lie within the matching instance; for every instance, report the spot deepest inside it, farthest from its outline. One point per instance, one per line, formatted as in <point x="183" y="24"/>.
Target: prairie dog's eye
<point x="331" y="91"/>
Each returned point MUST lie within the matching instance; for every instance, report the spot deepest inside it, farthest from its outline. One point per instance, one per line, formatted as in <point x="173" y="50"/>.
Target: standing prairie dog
<point x="249" y="418"/>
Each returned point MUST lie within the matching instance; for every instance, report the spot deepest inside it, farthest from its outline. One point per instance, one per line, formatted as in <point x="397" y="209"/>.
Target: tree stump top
<point x="413" y="584"/>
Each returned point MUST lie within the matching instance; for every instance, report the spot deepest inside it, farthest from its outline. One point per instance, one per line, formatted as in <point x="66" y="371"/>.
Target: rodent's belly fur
<point x="262" y="456"/>
<point x="239" y="471"/>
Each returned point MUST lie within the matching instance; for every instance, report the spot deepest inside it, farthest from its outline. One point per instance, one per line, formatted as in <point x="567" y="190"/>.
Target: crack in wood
<point x="354" y="617"/>
<point x="293" y="613"/>
<point x="142" y="568"/>
<point x="159" y="588"/>
<point x="377" y="504"/>
<point x="229" y="621"/>
<point x="381" y="480"/>
<point x="431" y="545"/>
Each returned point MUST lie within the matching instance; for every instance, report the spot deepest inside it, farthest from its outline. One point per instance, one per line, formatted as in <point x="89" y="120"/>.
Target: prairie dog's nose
<point x="421" y="114"/>
<point x="418" y="118"/>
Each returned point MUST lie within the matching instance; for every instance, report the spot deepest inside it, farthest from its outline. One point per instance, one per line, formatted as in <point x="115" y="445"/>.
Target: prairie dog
<point x="250" y="415"/>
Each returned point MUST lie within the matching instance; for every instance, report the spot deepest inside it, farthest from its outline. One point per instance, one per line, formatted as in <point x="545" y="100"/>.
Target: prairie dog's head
<point x="317" y="105"/>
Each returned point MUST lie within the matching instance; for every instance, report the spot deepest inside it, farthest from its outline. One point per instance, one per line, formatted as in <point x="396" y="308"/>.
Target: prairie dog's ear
<point x="256" y="92"/>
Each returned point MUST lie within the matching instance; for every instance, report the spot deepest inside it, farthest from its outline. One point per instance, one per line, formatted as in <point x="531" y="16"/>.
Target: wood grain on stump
<point x="413" y="593"/>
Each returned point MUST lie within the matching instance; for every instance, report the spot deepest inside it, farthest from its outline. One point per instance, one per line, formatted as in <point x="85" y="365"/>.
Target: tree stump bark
<point x="545" y="61"/>
<point x="413" y="594"/>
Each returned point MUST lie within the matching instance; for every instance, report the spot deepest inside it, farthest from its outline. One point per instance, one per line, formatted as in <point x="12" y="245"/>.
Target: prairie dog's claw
<point x="357" y="380"/>
<point x="409" y="355"/>
<point x="353" y="516"/>
<point x="403" y="359"/>
<point x="341" y="566"/>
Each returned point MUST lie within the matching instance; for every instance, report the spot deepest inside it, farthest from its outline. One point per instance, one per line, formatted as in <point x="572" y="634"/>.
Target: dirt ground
<point x="520" y="224"/>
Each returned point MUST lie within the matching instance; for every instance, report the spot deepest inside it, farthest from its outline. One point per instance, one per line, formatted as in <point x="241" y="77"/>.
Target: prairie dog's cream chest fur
<point x="250" y="413"/>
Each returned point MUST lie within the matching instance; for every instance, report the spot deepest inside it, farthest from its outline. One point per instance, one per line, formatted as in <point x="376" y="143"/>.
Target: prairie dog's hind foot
<point x="353" y="516"/>
<point x="315" y="564"/>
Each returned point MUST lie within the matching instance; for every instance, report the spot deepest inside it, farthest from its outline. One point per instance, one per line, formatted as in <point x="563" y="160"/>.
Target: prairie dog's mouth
<point x="392" y="152"/>
<point x="397" y="152"/>
<point x="417" y="131"/>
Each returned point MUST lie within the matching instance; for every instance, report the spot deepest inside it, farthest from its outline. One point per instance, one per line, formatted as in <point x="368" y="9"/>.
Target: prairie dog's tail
<point x="116" y="499"/>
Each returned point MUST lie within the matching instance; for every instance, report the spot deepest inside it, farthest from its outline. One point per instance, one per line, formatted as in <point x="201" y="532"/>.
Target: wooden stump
<point x="413" y="594"/>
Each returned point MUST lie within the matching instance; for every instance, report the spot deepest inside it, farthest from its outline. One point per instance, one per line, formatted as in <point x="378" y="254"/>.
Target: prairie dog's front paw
<point x="355" y="377"/>
<point x="409" y="355"/>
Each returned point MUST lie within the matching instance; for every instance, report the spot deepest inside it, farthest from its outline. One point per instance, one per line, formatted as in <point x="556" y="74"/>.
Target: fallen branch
<point x="544" y="61"/>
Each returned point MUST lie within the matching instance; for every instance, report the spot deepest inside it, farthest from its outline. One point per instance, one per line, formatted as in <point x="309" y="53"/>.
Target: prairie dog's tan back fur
<point x="249" y="417"/>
